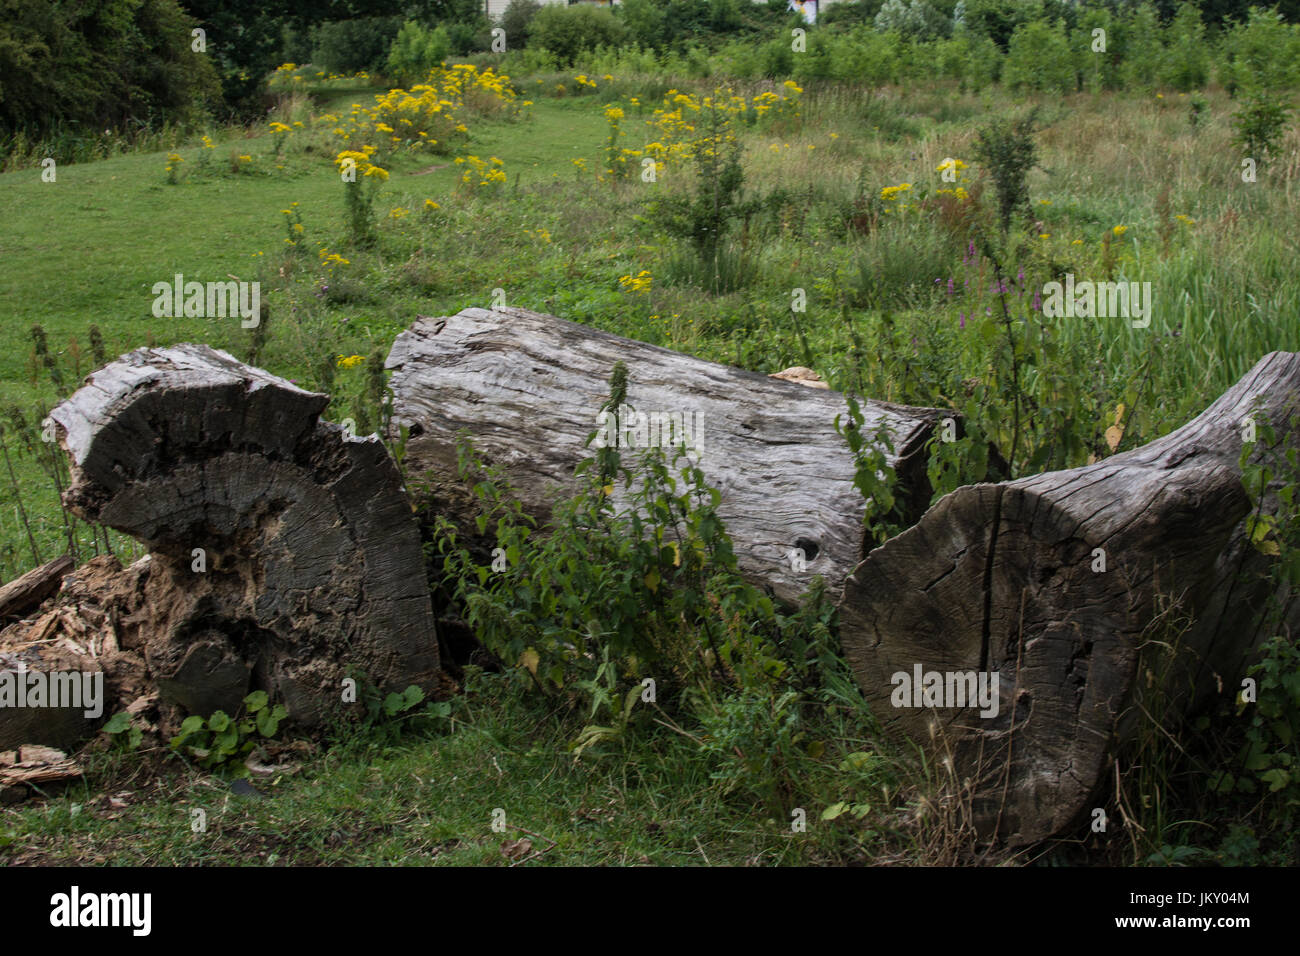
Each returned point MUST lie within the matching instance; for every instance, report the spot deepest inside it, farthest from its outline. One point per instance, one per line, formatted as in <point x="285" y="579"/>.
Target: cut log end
<point x="284" y="554"/>
<point x="1077" y="598"/>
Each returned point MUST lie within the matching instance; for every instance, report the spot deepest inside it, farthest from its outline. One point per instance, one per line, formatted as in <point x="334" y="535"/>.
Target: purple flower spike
<point x="962" y="320"/>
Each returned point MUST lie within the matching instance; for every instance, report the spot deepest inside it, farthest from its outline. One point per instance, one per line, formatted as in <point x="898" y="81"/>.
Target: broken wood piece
<point x="24" y="593"/>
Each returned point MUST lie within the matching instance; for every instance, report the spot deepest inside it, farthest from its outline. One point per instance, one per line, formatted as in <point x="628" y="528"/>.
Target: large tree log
<point x="529" y="387"/>
<point x="24" y="593"/>
<point x="283" y="552"/>
<point x="1006" y="579"/>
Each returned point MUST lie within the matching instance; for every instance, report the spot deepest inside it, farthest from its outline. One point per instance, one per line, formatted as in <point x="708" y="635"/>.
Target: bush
<point x="519" y="14"/>
<point x="570" y="31"/>
<point x="1258" y="126"/>
<point x="469" y="36"/>
<point x="646" y="22"/>
<point x="916" y="20"/>
<point x="1038" y="58"/>
<point x="867" y="57"/>
<point x="995" y="19"/>
<point x="353" y="46"/>
<point x="1262" y="53"/>
<point x="415" y="52"/>
<point x="62" y="65"/>
<point x="1008" y="150"/>
<point x="1185" y="64"/>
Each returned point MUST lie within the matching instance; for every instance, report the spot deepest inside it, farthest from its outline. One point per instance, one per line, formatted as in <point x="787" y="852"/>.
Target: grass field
<point x="1126" y="186"/>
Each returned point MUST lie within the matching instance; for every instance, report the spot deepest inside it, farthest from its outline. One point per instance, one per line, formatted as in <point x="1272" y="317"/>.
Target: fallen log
<point x="1068" y="593"/>
<point x="529" y="388"/>
<point x="283" y="552"/>
<point x="24" y="593"/>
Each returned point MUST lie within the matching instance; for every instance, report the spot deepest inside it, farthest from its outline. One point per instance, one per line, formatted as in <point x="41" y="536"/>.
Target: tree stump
<point x="284" y="552"/>
<point x="1007" y="580"/>
<point x="529" y="388"/>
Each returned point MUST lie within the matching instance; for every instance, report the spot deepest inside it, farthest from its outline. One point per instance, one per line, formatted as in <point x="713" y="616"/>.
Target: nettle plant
<point x="873" y="475"/>
<point x="623" y="602"/>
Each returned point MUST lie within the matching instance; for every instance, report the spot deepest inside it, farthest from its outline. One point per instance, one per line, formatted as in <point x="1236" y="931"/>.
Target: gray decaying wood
<point x="529" y="387"/>
<point x="24" y="593"/>
<point x="1001" y="578"/>
<point x="283" y="552"/>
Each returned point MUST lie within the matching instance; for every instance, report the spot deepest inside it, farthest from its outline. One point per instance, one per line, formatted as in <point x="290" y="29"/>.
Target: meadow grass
<point x="558" y="236"/>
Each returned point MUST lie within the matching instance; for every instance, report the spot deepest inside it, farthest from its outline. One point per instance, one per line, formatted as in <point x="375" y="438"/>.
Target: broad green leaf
<point x="834" y="810"/>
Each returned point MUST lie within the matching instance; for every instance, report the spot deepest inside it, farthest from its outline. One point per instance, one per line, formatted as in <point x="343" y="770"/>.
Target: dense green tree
<point x="64" y="63"/>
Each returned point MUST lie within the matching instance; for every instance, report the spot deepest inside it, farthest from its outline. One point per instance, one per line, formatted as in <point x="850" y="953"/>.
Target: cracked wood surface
<point x="1001" y="577"/>
<point x="529" y="386"/>
<point x="313" y="563"/>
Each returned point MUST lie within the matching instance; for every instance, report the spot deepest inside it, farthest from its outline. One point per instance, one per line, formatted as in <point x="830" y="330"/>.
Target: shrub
<point x="1259" y="124"/>
<point x="1262" y="53"/>
<point x="415" y="51"/>
<point x="63" y="65"/>
<point x="353" y="46"/>
<point x="1185" y="64"/>
<point x="515" y="21"/>
<point x="1008" y="150"/>
<point x="916" y="20"/>
<point x="705" y="218"/>
<point x="1038" y="58"/>
<point x="995" y="19"/>
<point x="1142" y="50"/>
<point x="570" y="31"/>
<point x="646" y="22"/>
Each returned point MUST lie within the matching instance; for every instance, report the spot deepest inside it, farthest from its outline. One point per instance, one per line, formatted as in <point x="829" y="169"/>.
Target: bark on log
<point x="1001" y="578"/>
<point x="24" y="593"/>
<point x="529" y="386"/>
<point x="283" y="553"/>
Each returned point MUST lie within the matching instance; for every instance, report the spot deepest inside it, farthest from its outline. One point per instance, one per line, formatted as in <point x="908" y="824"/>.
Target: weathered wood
<point x="47" y="658"/>
<point x="529" y="387"/>
<point x="33" y="766"/>
<point x="1006" y="579"/>
<point x="283" y="553"/>
<point x="24" y="593"/>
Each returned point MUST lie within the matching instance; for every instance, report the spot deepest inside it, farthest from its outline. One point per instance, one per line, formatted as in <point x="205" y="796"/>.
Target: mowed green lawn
<point x="87" y="249"/>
